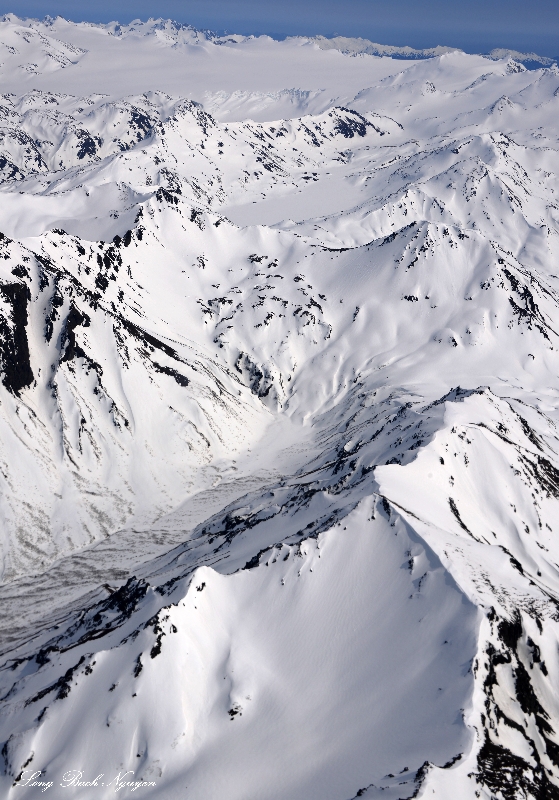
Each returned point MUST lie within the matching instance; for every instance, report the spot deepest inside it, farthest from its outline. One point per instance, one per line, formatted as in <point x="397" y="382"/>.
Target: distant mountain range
<point x="354" y="46"/>
<point x="348" y="45"/>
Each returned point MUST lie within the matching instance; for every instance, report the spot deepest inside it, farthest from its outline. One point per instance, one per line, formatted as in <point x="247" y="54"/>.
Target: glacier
<point x="279" y="408"/>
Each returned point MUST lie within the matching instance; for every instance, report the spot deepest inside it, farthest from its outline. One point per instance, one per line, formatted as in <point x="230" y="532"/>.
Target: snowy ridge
<point x="279" y="455"/>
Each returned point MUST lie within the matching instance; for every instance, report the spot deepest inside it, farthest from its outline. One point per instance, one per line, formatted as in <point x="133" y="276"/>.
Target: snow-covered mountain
<point x="357" y="46"/>
<point x="279" y="337"/>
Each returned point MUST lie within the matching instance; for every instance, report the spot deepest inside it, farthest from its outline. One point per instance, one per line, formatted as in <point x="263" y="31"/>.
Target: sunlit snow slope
<point x="279" y="457"/>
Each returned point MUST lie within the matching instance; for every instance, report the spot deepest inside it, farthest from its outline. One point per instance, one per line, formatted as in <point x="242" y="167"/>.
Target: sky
<point x="473" y="25"/>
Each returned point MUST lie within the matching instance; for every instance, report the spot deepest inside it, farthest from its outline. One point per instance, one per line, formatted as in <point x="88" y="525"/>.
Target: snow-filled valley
<point x="279" y="409"/>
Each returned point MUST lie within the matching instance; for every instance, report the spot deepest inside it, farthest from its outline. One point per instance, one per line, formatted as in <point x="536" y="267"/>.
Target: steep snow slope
<point x="279" y="409"/>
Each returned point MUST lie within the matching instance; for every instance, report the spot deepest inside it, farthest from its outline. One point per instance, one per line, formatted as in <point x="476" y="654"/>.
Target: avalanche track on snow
<point x="279" y="408"/>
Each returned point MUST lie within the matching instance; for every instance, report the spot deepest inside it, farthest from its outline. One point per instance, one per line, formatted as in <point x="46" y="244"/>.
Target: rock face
<point x="278" y="419"/>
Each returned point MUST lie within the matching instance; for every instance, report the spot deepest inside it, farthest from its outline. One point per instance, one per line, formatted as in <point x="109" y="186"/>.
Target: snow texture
<point x="279" y="408"/>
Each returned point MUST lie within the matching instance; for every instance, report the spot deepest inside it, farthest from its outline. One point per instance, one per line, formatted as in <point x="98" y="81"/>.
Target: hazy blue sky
<point x="474" y="25"/>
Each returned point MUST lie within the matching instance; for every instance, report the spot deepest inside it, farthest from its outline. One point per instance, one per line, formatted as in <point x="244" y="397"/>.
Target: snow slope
<point x="278" y="419"/>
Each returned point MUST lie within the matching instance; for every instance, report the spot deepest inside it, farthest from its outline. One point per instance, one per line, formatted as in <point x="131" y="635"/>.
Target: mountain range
<point x="279" y="408"/>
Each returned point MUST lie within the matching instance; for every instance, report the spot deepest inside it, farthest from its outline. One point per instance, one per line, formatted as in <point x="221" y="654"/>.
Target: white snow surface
<point x="279" y="458"/>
